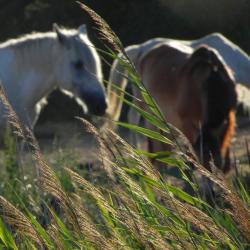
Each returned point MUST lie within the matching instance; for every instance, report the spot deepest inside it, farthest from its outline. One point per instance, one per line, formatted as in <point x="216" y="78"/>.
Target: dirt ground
<point x="67" y="136"/>
<point x="72" y="136"/>
<point x="241" y="145"/>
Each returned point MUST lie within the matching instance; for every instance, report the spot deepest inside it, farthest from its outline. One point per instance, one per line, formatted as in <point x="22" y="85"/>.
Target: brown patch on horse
<point x="162" y="73"/>
<point x="195" y="92"/>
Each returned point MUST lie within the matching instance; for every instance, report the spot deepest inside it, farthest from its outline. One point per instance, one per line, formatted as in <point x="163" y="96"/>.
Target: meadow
<point x="95" y="191"/>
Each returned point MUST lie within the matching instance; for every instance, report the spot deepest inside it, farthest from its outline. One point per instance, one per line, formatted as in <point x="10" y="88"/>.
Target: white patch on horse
<point x="33" y="65"/>
<point x="235" y="58"/>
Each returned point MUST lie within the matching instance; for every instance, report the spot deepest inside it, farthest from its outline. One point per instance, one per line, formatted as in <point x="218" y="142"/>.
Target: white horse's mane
<point x="36" y="45"/>
<point x="34" y="38"/>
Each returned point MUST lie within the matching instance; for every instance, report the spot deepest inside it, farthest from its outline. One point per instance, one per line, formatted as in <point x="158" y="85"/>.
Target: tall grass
<point x="134" y="206"/>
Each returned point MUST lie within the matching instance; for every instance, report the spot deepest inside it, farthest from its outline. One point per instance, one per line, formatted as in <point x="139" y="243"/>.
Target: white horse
<point x="233" y="56"/>
<point x="33" y="65"/>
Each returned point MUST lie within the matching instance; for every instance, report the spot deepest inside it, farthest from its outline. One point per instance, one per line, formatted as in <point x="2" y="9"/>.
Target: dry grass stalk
<point x="102" y="201"/>
<point x="144" y="233"/>
<point x="129" y="182"/>
<point x="240" y="213"/>
<point x="237" y="208"/>
<point x="191" y="214"/>
<point x="125" y="149"/>
<point x="104" y="149"/>
<point x="89" y="229"/>
<point x="133" y="187"/>
<point x="12" y="118"/>
<point x="90" y="128"/>
<point x="48" y="181"/>
<point x="129" y="215"/>
<point x="106" y="33"/>
<point x="217" y="178"/>
<point x="50" y="184"/>
<point x="54" y="232"/>
<point x="18" y="220"/>
<point x="90" y="189"/>
<point x="200" y="221"/>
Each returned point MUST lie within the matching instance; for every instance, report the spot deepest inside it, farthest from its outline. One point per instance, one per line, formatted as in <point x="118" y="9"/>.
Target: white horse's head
<point x="79" y="69"/>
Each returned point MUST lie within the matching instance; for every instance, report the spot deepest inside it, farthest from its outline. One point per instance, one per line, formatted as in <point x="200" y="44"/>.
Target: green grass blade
<point x="154" y="120"/>
<point x="41" y="231"/>
<point x="146" y="132"/>
<point x="6" y="237"/>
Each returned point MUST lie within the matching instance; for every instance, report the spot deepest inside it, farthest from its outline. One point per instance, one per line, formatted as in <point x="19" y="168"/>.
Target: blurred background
<point x="133" y="21"/>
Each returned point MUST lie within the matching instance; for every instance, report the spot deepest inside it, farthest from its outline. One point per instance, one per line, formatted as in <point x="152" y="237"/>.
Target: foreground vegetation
<point x="130" y="205"/>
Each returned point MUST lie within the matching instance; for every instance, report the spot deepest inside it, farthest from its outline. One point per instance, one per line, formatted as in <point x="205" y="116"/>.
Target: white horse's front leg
<point x="27" y="116"/>
<point x="134" y="138"/>
<point x="33" y="114"/>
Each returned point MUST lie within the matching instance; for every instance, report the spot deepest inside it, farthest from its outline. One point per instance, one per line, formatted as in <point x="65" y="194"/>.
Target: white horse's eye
<point x="79" y="65"/>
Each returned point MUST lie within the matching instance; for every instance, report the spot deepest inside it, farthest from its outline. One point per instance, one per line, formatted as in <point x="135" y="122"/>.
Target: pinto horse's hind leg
<point x="216" y="146"/>
<point x="227" y="162"/>
<point x="208" y="149"/>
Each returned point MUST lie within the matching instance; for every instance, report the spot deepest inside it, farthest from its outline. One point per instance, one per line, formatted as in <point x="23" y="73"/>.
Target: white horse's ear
<point x="82" y="29"/>
<point x="62" y="38"/>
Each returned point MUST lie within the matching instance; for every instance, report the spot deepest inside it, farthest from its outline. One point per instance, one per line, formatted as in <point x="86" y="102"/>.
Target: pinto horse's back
<point x="179" y="100"/>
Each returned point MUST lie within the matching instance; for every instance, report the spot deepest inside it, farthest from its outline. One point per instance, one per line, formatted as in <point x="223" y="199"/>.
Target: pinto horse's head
<point x="79" y="68"/>
<point x="212" y="96"/>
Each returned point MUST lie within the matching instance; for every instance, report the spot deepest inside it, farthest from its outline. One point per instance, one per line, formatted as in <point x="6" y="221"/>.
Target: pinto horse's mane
<point x="221" y="104"/>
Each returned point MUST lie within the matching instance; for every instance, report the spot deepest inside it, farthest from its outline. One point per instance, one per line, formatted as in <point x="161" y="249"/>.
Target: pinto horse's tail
<point x="118" y="81"/>
<point x="229" y="133"/>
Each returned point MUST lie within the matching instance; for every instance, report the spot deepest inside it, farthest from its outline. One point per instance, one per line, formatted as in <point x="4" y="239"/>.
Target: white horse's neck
<point x="35" y="58"/>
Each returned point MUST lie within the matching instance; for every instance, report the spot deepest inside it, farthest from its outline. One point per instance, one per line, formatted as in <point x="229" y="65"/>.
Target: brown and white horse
<point x="194" y="90"/>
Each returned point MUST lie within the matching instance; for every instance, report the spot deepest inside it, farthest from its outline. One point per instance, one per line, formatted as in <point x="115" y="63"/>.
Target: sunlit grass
<point x="131" y="205"/>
